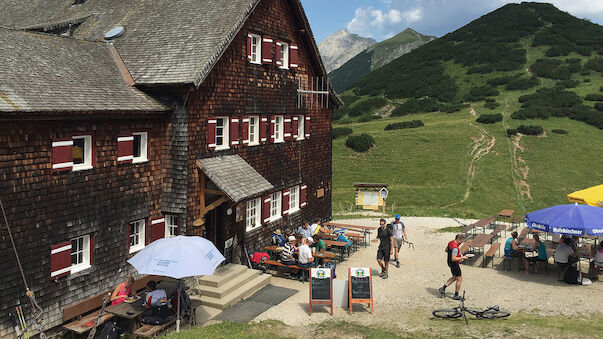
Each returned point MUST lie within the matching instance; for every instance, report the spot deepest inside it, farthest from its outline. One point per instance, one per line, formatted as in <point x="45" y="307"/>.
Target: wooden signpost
<point x="321" y="287"/>
<point x="360" y="287"/>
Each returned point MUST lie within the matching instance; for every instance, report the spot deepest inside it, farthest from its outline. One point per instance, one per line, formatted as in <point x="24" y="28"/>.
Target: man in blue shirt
<point x="305" y="231"/>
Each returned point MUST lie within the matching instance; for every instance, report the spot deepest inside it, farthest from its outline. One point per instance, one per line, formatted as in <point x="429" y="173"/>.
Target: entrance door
<point x="215" y="222"/>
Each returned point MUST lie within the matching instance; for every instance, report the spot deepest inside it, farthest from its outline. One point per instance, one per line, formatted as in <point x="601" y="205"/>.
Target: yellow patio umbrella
<point x="592" y="196"/>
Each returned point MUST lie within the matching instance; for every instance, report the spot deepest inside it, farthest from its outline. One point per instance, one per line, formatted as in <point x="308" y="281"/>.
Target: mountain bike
<point x="492" y="312"/>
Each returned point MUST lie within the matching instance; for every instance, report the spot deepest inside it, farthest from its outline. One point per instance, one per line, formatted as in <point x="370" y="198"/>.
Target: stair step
<point x="239" y="293"/>
<point x="222" y="275"/>
<point x="224" y="289"/>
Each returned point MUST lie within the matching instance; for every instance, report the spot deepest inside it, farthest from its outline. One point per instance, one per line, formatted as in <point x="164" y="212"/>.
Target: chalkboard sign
<point x="228" y="250"/>
<point x="321" y="287"/>
<point x="360" y="286"/>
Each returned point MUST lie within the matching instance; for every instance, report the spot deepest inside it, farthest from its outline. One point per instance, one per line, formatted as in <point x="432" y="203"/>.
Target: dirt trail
<point x="481" y="147"/>
<point x="521" y="168"/>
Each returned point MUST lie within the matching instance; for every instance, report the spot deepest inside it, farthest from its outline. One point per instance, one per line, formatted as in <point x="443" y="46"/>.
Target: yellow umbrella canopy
<point x="592" y="196"/>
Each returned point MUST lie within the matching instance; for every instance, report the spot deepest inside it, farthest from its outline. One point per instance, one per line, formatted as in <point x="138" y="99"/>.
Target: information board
<point x="360" y="285"/>
<point x="321" y="287"/>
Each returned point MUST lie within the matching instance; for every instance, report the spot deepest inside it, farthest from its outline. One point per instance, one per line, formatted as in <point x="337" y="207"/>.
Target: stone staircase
<point x="228" y="285"/>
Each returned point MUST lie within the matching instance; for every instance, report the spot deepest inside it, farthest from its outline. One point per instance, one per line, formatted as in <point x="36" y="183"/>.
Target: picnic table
<point x="482" y="223"/>
<point x="480" y="241"/>
<point x="366" y="230"/>
<point x="80" y="327"/>
<point x="320" y="255"/>
<point x="339" y="244"/>
<point x="128" y="311"/>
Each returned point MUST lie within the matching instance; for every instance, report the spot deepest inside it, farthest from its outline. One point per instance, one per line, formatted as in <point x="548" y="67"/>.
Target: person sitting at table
<point x="155" y="297"/>
<point x="318" y="243"/>
<point x="542" y="256"/>
<point x="304" y="257"/>
<point x="122" y="291"/>
<point x="277" y="238"/>
<point x="305" y="230"/>
<point x="287" y="253"/>
<point x="564" y="253"/>
<point x="597" y="264"/>
<point x="512" y="249"/>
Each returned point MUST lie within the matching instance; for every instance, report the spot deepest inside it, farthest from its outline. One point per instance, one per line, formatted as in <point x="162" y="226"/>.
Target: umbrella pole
<point x="178" y="307"/>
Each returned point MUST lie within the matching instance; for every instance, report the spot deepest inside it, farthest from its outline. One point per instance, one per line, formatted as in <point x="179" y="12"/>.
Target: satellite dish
<point x="114" y="33"/>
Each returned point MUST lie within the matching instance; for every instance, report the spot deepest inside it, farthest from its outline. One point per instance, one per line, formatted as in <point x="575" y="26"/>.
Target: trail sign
<point x="321" y="287"/>
<point x="383" y="193"/>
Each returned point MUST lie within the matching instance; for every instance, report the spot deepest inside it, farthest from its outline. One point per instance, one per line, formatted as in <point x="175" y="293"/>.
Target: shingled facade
<point x="232" y="149"/>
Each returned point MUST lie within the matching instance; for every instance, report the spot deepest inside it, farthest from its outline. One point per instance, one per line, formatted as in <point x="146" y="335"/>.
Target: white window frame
<point x="253" y="214"/>
<point x="225" y="133"/>
<point x="171" y="226"/>
<point x="279" y="127"/>
<point x="275" y="206"/>
<point x="141" y="236"/>
<point x="144" y="144"/>
<point x="258" y="49"/>
<point x="85" y="250"/>
<point x="87" y="153"/>
<point x="300" y="127"/>
<point x="254" y="129"/>
<point x="284" y="55"/>
<point x="293" y="199"/>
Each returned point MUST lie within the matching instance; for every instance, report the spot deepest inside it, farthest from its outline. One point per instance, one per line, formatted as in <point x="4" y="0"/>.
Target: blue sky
<point x="381" y="19"/>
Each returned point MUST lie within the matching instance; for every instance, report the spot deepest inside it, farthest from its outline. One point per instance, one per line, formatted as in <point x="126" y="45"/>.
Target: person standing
<point x="399" y="234"/>
<point x="386" y="247"/>
<point x="454" y="259"/>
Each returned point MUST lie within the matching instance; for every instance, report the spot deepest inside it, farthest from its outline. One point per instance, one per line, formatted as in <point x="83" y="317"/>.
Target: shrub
<point x="559" y="131"/>
<point x="522" y="83"/>
<point x="489" y="118"/>
<point x="414" y="105"/>
<point x="601" y="89"/>
<point x="502" y="80"/>
<point x="563" y="84"/>
<point x="599" y="106"/>
<point x="490" y="100"/>
<point x="368" y="117"/>
<point x="338" y="114"/>
<point x="511" y="132"/>
<point x="530" y="129"/>
<point x="491" y="105"/>
<point x="404" y="124"/>
<point x="594" y="97"/>
<point x="341" y="131"/>
<point x="453" y="107"/>
<point x="556" y="51"/>
<point x="479" y="93"/>
<point x="360" y="142"/>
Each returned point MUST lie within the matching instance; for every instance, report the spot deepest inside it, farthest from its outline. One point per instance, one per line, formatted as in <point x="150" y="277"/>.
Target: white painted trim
<point x="212" y="145"/>
<point x="82" y="167"/>
<point x="62" y="165"/>
<point x="272" y="121"/>
<point x="264" y="139"/>
<point x="79" y="268"/>
<point x="61" y="249"/>
<point x="157" y="221"/>
<point x="278" y="43"/>
<point x="303" y="187"/>
<point x="307" y="135"/>
<point x="307" y="118"/>
<point x="212" y="121"/>
<point x="128" y="138"/>
<point x="267" y="60"/>
<point x="235" y="142"/>
<point x="286" y="193"/>
<point x="61" y="271"/>
<point x="286" y="212"/>
<point x="293" y="46"/>
<point x="287" y="135"/>
<point x="246" y="120"/>
<point x="287" y="120"/>
<point x="246" y="141"/>
<point x="264" y="119"/>
<point x="62" y="143"/>
<point x="267" y="40"/>
<point x="303" y="204"/>
<point x="249" y="35"/>
<point x="295" y="118"/>
<point x="234" y="120"/>
<point x="294" y="65"/>
<point x="125" y="158"/>
<point x="266" y="200"/>
<point x="266" y="220"/>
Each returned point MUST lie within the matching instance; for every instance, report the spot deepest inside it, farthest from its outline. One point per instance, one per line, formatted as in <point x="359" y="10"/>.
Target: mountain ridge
<point x="341" y="46"/>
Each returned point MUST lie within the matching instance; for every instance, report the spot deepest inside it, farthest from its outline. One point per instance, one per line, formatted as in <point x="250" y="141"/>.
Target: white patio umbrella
<point x="178" y="257"/>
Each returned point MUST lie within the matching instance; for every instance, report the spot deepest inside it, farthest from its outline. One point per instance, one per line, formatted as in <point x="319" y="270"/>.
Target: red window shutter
<point x="294" y="127"/>
<point x="293" y="56"/>
<point x="277" y="53"/>
<point x="245" y="131"/>
<point x="287" y="135"/>
<point x="234" y="131"/>
<point x="266" y="209"/>
<point x="272" y="124"/>
<point x="60" y="260"/>
<point x="285" y="202"/>
<point x="178" y="223"/>
<point x="62" y="155"/>
<point x="211" y="133"/>
<point x="264" y="129"/>
<point x="267" y="50"/>
<point x="147" y="232"/>
<point x="125" y="149"/>
<point x="302" y="196"/>
<point x="128" y="234"/>
<point x="157" y="228"/>
<point x="249" y="47"/>
<point x="307" y="127"/>
<point x="92" y="249"/>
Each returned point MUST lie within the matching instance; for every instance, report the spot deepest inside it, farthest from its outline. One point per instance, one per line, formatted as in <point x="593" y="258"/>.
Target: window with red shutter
<point x="266" y="209"/>
<point x="293" y="56"/>
<point x="60" y="260"/>
<point x="211" y="133"/>
<point x="264" y="127"/>
<point x="272" y="128"/>
<point x="125" y="149"/>
<point x="267" y="50"/>
<point x="254" y="48"/>
<point x="294" y="127"/>
<point x="92" y="249"/>
<point x="157" y="228"/>
<point x="307" y="128"/>
<point x="245" y="131"/>
<point x="285" y="203"/>
<point x="302" y="196"/>
<point x="234" y="131"/>
<point x="278" y="53"/>
<point x="287" y="128"/>
<point x="62" y="155"/>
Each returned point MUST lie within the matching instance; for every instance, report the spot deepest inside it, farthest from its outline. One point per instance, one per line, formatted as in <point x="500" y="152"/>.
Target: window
<point x="171" y="226"/>
<point x="254" y="130"/>
<point x="253" y="215"/>
<point x="256" y="49"/>
<point x="293" y="199"/>
<point x="139" y="147"/>
<point x="275" y="206"/>
<point x="80" y="253"/>
<point x="137" y="236"/>
<point x="278" y="128"/>
<point x="221" y="133"/>
<point x="300" y="127"/>
<point x="82" y="152"/>
<point x="284" y="55"/>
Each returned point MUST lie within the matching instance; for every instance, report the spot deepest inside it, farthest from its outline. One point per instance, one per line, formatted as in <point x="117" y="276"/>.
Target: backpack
<point x="110" y="331"/>
<point x="343" y="238"/>
<point x="332" y="266"/>
<point x="572" y="276"/>
<point x="185" y="301"/>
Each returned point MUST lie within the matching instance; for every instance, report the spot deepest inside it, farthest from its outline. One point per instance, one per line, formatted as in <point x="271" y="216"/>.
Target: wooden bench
<point x="465" y="246"/>
<point x="490" y="254"/>
<point x="280" y="264"/>
<point x="497" y="230"/>
<point x="149" y="331"/>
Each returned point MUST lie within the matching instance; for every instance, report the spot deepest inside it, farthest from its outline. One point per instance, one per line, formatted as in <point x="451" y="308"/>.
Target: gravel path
<point x="411" y="290"/>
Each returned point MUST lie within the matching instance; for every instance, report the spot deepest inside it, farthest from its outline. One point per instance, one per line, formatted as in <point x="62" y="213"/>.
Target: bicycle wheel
<point x="495" y="314"/>
<point x="447" y="313"/>
<point x="473" y="311"/>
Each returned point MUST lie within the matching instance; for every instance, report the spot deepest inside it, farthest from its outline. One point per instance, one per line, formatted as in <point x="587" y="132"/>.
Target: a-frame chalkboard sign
<point x="321" y="287"/>
<point x="360" y="286"/>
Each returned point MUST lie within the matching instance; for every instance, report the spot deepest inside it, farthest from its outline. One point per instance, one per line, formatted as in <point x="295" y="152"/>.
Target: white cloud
<point x="372" y="22"/>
